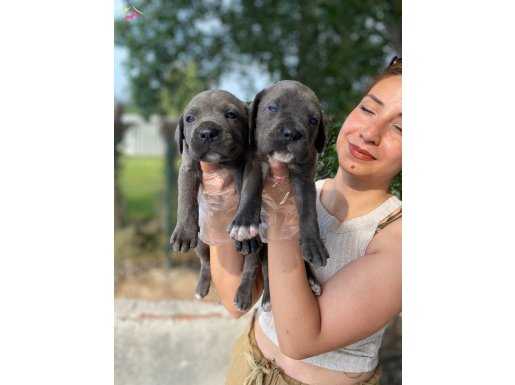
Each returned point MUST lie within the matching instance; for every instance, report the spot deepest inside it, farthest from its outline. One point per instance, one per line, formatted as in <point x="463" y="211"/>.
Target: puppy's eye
<point x="190" y="118"/>
<point x="313" y="121"/>
<point x="231" y="115"/>
<point x="272" y="108"/>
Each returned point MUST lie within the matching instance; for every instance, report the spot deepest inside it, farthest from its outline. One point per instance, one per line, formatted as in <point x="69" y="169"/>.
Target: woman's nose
<point x="371" y="133"/>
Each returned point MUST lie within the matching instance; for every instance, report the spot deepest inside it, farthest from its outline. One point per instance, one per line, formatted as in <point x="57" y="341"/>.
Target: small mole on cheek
<point x="352" y="166"/>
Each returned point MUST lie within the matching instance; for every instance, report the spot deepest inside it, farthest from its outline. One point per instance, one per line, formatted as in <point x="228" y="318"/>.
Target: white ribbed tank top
<point x="345" y="241"/>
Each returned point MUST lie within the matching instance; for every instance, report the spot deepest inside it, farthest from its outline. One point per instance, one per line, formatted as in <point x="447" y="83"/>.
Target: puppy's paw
<point x="243" y="298"/>
<point x="265" y="301"/>
<point x="315" y="286"/>
<point x="243" y="227"/>
<point x="249" y="246"/>
<point x="184" y="237"/>
<point x="314" y="251"/>
<point x="267" y="306"/>
<point x="202" y="288"/>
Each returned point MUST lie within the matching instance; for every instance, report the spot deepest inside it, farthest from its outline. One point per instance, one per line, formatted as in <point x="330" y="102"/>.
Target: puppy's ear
<point x="320" y="139"/>
<point x="179" y="134"/>
<point x="252" y="118"/>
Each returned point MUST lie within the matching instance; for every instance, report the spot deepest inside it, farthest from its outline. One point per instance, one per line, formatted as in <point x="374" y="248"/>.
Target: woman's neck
<point x="347" y="197"/>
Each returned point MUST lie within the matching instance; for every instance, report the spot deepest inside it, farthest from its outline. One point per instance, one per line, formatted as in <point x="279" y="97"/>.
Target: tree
<point x="119" y="131"/>
<point x="168" y="38"/>
<point x="335" y="47"/>
<point x="167" y="51"/>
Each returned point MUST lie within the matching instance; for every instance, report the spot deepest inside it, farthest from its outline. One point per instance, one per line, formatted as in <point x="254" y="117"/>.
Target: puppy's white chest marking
<point x="282" y="156"/>
<point x="213" y="157"/>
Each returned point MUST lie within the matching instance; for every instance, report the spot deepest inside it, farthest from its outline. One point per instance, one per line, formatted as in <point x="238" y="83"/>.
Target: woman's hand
<point x="218" y="201"/>
<point x="279" y="209"/>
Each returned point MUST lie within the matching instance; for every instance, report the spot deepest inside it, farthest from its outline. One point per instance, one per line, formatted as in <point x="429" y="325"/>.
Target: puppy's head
<point x="286" y="122"/>
<point x="213" y="127"/>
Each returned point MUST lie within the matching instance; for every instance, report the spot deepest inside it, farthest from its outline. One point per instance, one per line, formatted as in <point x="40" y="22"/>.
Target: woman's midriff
<point x="302" y="371"/>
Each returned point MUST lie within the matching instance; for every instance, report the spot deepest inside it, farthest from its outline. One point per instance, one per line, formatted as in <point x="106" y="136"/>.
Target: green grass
<point x="141" y="183"/>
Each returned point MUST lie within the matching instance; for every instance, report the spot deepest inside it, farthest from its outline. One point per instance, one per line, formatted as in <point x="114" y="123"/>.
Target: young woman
<point x="332" y="339"/>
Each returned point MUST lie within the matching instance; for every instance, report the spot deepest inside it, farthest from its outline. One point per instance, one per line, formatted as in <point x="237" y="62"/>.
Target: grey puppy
<point x="286" y="124"/>
<point x="213" y="128"/>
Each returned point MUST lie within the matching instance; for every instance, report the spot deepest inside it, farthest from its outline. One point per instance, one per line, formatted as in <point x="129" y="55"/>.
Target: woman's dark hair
<point x="394" y="68"/>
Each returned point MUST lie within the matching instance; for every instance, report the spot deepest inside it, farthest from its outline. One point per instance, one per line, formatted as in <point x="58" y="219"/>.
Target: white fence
<point x="142" y="137"/>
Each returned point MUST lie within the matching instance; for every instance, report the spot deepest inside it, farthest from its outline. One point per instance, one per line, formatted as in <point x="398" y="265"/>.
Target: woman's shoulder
<point x="320" y="182"/>
<point x="319" y="185"/>
<point x="389" y="239"/>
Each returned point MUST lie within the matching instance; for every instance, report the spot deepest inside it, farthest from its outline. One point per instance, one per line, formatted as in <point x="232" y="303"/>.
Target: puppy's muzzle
<point x="209" y="134"/>
<point x="290" y="134"/>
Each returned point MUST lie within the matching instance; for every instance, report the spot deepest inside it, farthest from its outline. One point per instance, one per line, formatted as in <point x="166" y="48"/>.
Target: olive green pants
<point x="249" y="367"/>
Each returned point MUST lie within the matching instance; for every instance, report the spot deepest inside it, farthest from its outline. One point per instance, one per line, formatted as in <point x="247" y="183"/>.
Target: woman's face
<point x="369" y="143"/>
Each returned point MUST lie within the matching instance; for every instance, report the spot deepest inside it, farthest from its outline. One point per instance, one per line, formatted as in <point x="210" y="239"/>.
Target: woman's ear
<point x="320" y="139"/>
<point x="252" y="118"/>
<point x="179" y="134"/>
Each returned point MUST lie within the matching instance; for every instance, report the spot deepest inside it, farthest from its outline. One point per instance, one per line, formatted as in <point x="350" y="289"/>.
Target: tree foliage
<point x="335" y="47"/>
<point x="165" y="44"/>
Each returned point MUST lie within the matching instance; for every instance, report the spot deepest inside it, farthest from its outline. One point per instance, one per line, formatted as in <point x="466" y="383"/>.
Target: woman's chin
<point x="354" y="169"/>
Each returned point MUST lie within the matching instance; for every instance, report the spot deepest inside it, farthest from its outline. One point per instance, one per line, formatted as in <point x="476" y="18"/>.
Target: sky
<point x="242" y="87"/>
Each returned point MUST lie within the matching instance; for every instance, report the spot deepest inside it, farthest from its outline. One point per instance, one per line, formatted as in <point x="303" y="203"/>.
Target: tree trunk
<point x="394" y="25"/>
<point x="170" y="193"/>
<point x="119" y="131"/>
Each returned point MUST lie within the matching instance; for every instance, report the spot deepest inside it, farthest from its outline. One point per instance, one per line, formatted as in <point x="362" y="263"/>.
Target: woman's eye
<point x="398" y="128"/>
<point x="230" y="115"/>
<point x="366" y="110"/>
<point x="313" y="121"/>
<point x="272" y="108"/>
<point x="190" y="118"/>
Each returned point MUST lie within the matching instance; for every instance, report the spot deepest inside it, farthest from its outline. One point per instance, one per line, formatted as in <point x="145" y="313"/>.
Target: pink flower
<point x="131" y="15"/>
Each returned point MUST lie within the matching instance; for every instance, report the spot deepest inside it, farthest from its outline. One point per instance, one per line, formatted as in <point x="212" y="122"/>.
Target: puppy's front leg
<point x="185" y="235"/>
<point x="314" y="284"/>
<point x="245" y="224"/>
<point x="204" y="280"/>
<point x="313" y="248"/>
<point x="265" y="301"/>
<point x="243" y="298"/>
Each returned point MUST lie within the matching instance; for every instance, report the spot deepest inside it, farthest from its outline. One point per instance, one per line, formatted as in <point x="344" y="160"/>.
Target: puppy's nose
<point x="290" y="134"/>
<point x="208" y="135"/>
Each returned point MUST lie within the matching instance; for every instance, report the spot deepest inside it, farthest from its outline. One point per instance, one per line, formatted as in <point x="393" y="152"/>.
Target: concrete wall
<point x="173" y="342"/>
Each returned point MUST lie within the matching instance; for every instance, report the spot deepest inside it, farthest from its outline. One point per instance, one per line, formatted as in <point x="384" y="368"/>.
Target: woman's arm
<point x="225" y="262"/>
<point x="226" y="269"/>
<point x="356" y="302"/>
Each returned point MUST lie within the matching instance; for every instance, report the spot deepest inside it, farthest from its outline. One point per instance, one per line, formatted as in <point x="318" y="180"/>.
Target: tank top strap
<point x="318" y="186"/>
<point x="389" y="219"/>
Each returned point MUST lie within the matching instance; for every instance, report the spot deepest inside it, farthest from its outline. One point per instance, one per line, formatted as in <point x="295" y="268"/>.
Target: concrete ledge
<point x="173" y="342"/>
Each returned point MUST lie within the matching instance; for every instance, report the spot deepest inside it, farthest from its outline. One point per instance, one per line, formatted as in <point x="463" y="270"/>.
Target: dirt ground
<point x="156" y="284"/>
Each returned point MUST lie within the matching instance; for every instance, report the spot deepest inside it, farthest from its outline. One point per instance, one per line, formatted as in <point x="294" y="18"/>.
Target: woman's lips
<point x="359" y="153"/>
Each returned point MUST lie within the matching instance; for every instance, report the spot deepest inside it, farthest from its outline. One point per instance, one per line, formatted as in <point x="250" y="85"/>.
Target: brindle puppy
<point x="286" y="124"/>
<point x="214" y="129"/>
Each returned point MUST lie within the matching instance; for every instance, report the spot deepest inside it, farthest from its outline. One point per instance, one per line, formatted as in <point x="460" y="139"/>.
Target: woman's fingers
<point x="209" y="167"/>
